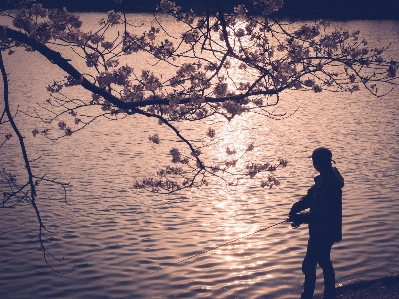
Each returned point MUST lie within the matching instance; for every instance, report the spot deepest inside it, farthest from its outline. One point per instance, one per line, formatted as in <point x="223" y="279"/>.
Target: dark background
<point x="295" y="9"/>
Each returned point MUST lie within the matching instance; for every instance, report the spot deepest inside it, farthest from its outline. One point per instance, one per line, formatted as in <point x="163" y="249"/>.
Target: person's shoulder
<point x="337" y="177"/>
<point x="332" y="180"/>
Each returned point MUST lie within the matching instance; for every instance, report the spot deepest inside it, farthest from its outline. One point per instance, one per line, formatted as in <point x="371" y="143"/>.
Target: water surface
<point x="112" y="238"/>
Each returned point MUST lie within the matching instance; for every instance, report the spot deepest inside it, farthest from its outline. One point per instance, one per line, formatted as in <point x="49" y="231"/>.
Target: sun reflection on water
<point x="235" y="135"/>
<point x="236" y="256"/>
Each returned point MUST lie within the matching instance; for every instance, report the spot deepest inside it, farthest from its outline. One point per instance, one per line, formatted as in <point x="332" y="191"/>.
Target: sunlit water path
<point x="113" y="238"/>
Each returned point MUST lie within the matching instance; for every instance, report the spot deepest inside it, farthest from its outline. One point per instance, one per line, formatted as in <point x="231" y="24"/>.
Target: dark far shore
<point x="340" y="10"/>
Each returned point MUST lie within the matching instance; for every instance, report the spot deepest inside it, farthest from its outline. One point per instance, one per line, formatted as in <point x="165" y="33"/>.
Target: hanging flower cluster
<point x="225" y="64"/>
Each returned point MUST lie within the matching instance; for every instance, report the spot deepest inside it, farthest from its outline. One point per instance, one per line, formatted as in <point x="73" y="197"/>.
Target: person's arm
<point x="304" y="203"/>
<point x="327" y="207"/>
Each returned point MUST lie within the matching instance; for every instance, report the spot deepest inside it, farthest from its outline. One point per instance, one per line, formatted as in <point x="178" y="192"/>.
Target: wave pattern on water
<point x="113" y="237"/>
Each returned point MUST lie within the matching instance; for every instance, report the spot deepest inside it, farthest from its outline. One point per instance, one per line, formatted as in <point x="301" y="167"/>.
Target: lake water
<point x="112" y="237"/>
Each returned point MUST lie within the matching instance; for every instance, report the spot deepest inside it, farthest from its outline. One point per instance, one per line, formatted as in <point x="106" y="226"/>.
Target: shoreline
<point x="382" y="288"/>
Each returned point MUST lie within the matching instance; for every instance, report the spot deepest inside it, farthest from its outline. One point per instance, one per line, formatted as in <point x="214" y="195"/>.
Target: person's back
<point x="326" y="207"/>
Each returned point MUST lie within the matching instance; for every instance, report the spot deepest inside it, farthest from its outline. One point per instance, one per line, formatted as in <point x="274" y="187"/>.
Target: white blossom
<point x="61" y="125"/>
<point x="211" y="133"/>
<point x="154" y="138"/>
<point x="240" y="10"/>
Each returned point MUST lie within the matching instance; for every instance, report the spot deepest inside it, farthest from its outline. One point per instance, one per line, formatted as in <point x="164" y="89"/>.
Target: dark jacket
<point x="324" y="200"/>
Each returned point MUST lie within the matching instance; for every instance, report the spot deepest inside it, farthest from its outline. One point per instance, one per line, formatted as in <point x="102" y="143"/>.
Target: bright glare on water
<point x="117" y="242"/>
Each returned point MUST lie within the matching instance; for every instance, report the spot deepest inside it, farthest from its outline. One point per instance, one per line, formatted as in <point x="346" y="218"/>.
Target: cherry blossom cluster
<point x="255" y="168"/>
<point x="154" y="138"/>
<point x="53" y="24"/>
<point x="157" y="185"/>
<point x="269" y="6"/>
<point x="220" y="64"/>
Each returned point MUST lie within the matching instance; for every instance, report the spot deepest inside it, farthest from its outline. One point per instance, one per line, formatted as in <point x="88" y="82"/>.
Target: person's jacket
<point x="324" y="201"/>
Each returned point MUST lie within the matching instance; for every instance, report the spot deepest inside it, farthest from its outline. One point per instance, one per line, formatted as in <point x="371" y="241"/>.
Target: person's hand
<point x="297" y="218"/>
<point x="295" y="225"/>
<point x="294" y="209"/>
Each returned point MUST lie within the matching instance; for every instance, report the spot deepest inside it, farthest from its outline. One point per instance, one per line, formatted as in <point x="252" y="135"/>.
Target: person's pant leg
<point x="309" y="269"/>
<point x="325" y="263"/>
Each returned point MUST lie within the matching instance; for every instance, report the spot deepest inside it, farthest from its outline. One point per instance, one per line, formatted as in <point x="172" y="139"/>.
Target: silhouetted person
<point x="324" y="201"/>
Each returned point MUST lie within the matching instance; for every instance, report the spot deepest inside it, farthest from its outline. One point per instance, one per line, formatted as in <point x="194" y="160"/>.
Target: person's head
<point x="322" y="158"/>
